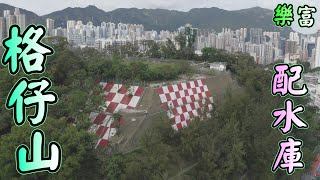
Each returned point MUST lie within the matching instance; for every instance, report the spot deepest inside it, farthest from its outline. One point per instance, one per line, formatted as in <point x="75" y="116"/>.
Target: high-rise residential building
<point x="291" y="47"/>
<point x="50" y="27"/>
<point x="122" y="30"/>
<point x="316" y="62"/>
<point x="6" y="13"/>
<point x="16" y="11"/>
<point x="3" y="31"/>
<point x="21" y="21"/>
<point x="255" y="35"/>
<point x="10" y="20"/>
<point x="294" y="36"/>
<point x="71" y="24"/>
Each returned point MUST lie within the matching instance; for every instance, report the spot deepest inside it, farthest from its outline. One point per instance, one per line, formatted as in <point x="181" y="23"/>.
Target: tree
<point x="168" y="50"/>
<point x="153" y="50"/>
<point x="77" y="151"/>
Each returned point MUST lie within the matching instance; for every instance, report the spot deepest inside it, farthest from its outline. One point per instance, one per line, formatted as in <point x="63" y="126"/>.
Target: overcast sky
<point x="45" y="7"/>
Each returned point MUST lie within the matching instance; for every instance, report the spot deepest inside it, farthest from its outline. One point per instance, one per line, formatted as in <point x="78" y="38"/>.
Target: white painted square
<point x="188" y="107"/>
<point x="196" y="105"/>
<point x="184" y="124"/>
<point x="198" y="90"/>
<point x="177" y="119"/>
<point x="189" y="100"/>
<point x="117" y="98"/>
<point x="134" y="101"/>
<point x="205" y="88"/>
<point x="192" y="84"/>
<point x="175" y="88"/>
<point x="173" y="96"/>
<point x="186" y="115"/>
<point x="195" y="113"/>
<point x="163" y="98"/>
<point x="184" y="86"/>
<point x="115" y="88"/>
<point x="196" y="97"/>
<point x="165" y="89"/>
<point x="179" y="110"/>
<point x="182" y="94"/>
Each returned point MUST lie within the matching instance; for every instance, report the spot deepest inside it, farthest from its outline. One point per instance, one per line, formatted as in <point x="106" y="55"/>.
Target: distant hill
<point x="31" y="17"/>
<point x="162" y="19"/>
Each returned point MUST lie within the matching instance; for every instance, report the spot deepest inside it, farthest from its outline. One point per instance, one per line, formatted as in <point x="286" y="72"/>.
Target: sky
<point x="48" y="6"/>
<point x="45" y="7"/>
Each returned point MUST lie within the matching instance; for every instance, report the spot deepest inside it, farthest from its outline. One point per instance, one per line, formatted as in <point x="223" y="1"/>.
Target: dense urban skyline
<point x="266" y="47"/>
<point x="179" y="5"/>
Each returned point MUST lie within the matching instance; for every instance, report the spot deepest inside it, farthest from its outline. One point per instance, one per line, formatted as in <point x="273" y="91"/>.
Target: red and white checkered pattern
<point x="117" y="96"/>
<point x="186" y="101"/>
<point x="103" y="126"/>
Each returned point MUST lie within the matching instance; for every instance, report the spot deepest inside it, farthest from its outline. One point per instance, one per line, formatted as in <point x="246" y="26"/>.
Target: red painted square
<point x="178" y="94"/>
<point x="109" y="97"/>
<point x="184" y="100"/>
<point x="194" y="90"/>
<point x="192" y="106"/>
<point x="125" y="100"/>
<point x="168" y="97"/>
<point x="182" y="118"/>
<point x="175" y="112"/>
<point x="170" y="88"/>
<point x="200" y="103"/>
<point x="101" y="131"/>
<point x="99" y="119"/>
<point x="164" y="105"/>
<point x="200" y="95"/>
<point x="193" y="99"/>
<point x="186" y="93"/>
<point x="184" y="108"/>
<point x="140" y="90"/>
<point x="188" y="85"/>
<point x="130" y="107"/>
<point x="112" y="106"/>
<point x="103" y="143"/>
<point x="175" y="103"/>
<point x="179" y="126"/>
<point x="108" y="87"/>
<point x="160" y="91"/>
<point x="123" y="89"/>
<point x="196" y="83"/>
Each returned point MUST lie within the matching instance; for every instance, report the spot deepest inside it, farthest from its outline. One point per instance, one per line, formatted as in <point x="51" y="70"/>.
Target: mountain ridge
<point x="163" y="19"/>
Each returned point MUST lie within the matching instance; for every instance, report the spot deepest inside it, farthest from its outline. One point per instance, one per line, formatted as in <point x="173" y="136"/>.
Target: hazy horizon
<point x="58" y="5"/>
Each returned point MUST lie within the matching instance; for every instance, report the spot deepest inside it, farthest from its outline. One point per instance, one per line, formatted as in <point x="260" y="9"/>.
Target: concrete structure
<point x="50" y="27"/>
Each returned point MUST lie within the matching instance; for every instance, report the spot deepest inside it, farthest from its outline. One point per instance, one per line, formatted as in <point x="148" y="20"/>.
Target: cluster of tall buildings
<point x="265" y="47"/>
<point x="10" y="18"/>
<point x="88" y="35"/>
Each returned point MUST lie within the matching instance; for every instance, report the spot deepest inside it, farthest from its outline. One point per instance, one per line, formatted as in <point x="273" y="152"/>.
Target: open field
<point x="150" y="102"/>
